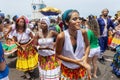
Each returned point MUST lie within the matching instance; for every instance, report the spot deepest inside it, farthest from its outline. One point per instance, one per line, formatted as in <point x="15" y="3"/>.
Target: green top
<point x="92" y="39"/>
<point x="9" y="47"/>
<point x="57" y="28"/>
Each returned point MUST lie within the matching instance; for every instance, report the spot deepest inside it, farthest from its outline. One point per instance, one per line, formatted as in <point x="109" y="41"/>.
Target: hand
<point x="20" y="47"/>
<point x="83" y="62"/>
<point x="114" y="31"/>
<point x="84" y="59"/>
<point x="23" y="47"/>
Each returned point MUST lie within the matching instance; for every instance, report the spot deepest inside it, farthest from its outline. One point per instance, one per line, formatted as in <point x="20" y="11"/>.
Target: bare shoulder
<point x="52" y="32"/>
<point x="61" y="36"/>
<point x="83" y="31"/>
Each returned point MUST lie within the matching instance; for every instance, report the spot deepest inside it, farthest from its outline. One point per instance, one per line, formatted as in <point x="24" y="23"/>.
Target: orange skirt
<point x="72" y="74"/>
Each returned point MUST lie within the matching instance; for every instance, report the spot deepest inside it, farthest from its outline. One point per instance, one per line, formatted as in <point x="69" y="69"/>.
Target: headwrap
<point x="26" y="19"/>
<point x="46" y="20"/>
<point x="20" y="18"/>
<point x="65" y="16"/>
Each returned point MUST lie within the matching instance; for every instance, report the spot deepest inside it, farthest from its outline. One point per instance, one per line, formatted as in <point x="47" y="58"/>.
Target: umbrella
<point x="47" y="11"/>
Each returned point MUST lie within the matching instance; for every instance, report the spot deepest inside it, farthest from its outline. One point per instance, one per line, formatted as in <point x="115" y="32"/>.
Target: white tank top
<point x="105" y="28"/>
<point x="46" y="42"/>
<point x="68" y="49"/>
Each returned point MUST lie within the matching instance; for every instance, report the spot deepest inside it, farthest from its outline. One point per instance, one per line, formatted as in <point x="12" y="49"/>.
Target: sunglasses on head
<point x="75" y="18"/>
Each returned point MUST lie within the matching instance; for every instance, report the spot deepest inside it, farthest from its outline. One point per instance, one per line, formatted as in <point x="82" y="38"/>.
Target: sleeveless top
<point x="46" y="42"/>
<point x="69" y="52"/>
<point x="23" y="37"/>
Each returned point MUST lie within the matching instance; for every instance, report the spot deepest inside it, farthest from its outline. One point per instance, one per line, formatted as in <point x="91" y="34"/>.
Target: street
<point x="104" y="71"/>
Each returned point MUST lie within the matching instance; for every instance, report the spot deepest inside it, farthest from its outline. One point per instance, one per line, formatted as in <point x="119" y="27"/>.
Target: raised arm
<point x="9" y="30"/>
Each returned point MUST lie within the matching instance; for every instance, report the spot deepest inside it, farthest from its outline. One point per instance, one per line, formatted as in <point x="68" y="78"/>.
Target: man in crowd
<point x="104" y="23"/>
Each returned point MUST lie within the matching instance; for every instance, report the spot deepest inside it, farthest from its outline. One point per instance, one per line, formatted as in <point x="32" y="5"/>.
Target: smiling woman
<point x="70" y="50"/>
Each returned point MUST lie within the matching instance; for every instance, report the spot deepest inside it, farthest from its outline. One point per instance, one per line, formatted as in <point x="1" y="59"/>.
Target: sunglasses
<point x="76" y="18"/>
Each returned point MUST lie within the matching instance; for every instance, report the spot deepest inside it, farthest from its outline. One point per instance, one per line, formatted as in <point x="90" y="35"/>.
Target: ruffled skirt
<point x="27" y="59"/>
<point x="49" y="68"/>
<point x="115" y="41"/>
<point x="72" y="74"/>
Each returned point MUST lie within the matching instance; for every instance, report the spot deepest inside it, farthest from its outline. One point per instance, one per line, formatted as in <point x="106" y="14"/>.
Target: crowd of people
<point x="63" y="48"/>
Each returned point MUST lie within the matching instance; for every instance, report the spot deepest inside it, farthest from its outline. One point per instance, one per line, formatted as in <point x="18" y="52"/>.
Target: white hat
<point x="46" y="19"/>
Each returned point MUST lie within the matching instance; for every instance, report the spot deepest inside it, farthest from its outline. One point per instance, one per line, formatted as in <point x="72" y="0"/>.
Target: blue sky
<point x="85" y="7"/>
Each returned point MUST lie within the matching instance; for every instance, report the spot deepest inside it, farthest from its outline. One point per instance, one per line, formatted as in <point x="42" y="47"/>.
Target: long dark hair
<point x="93" y="25"/>
<point x="17" y="26"/>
